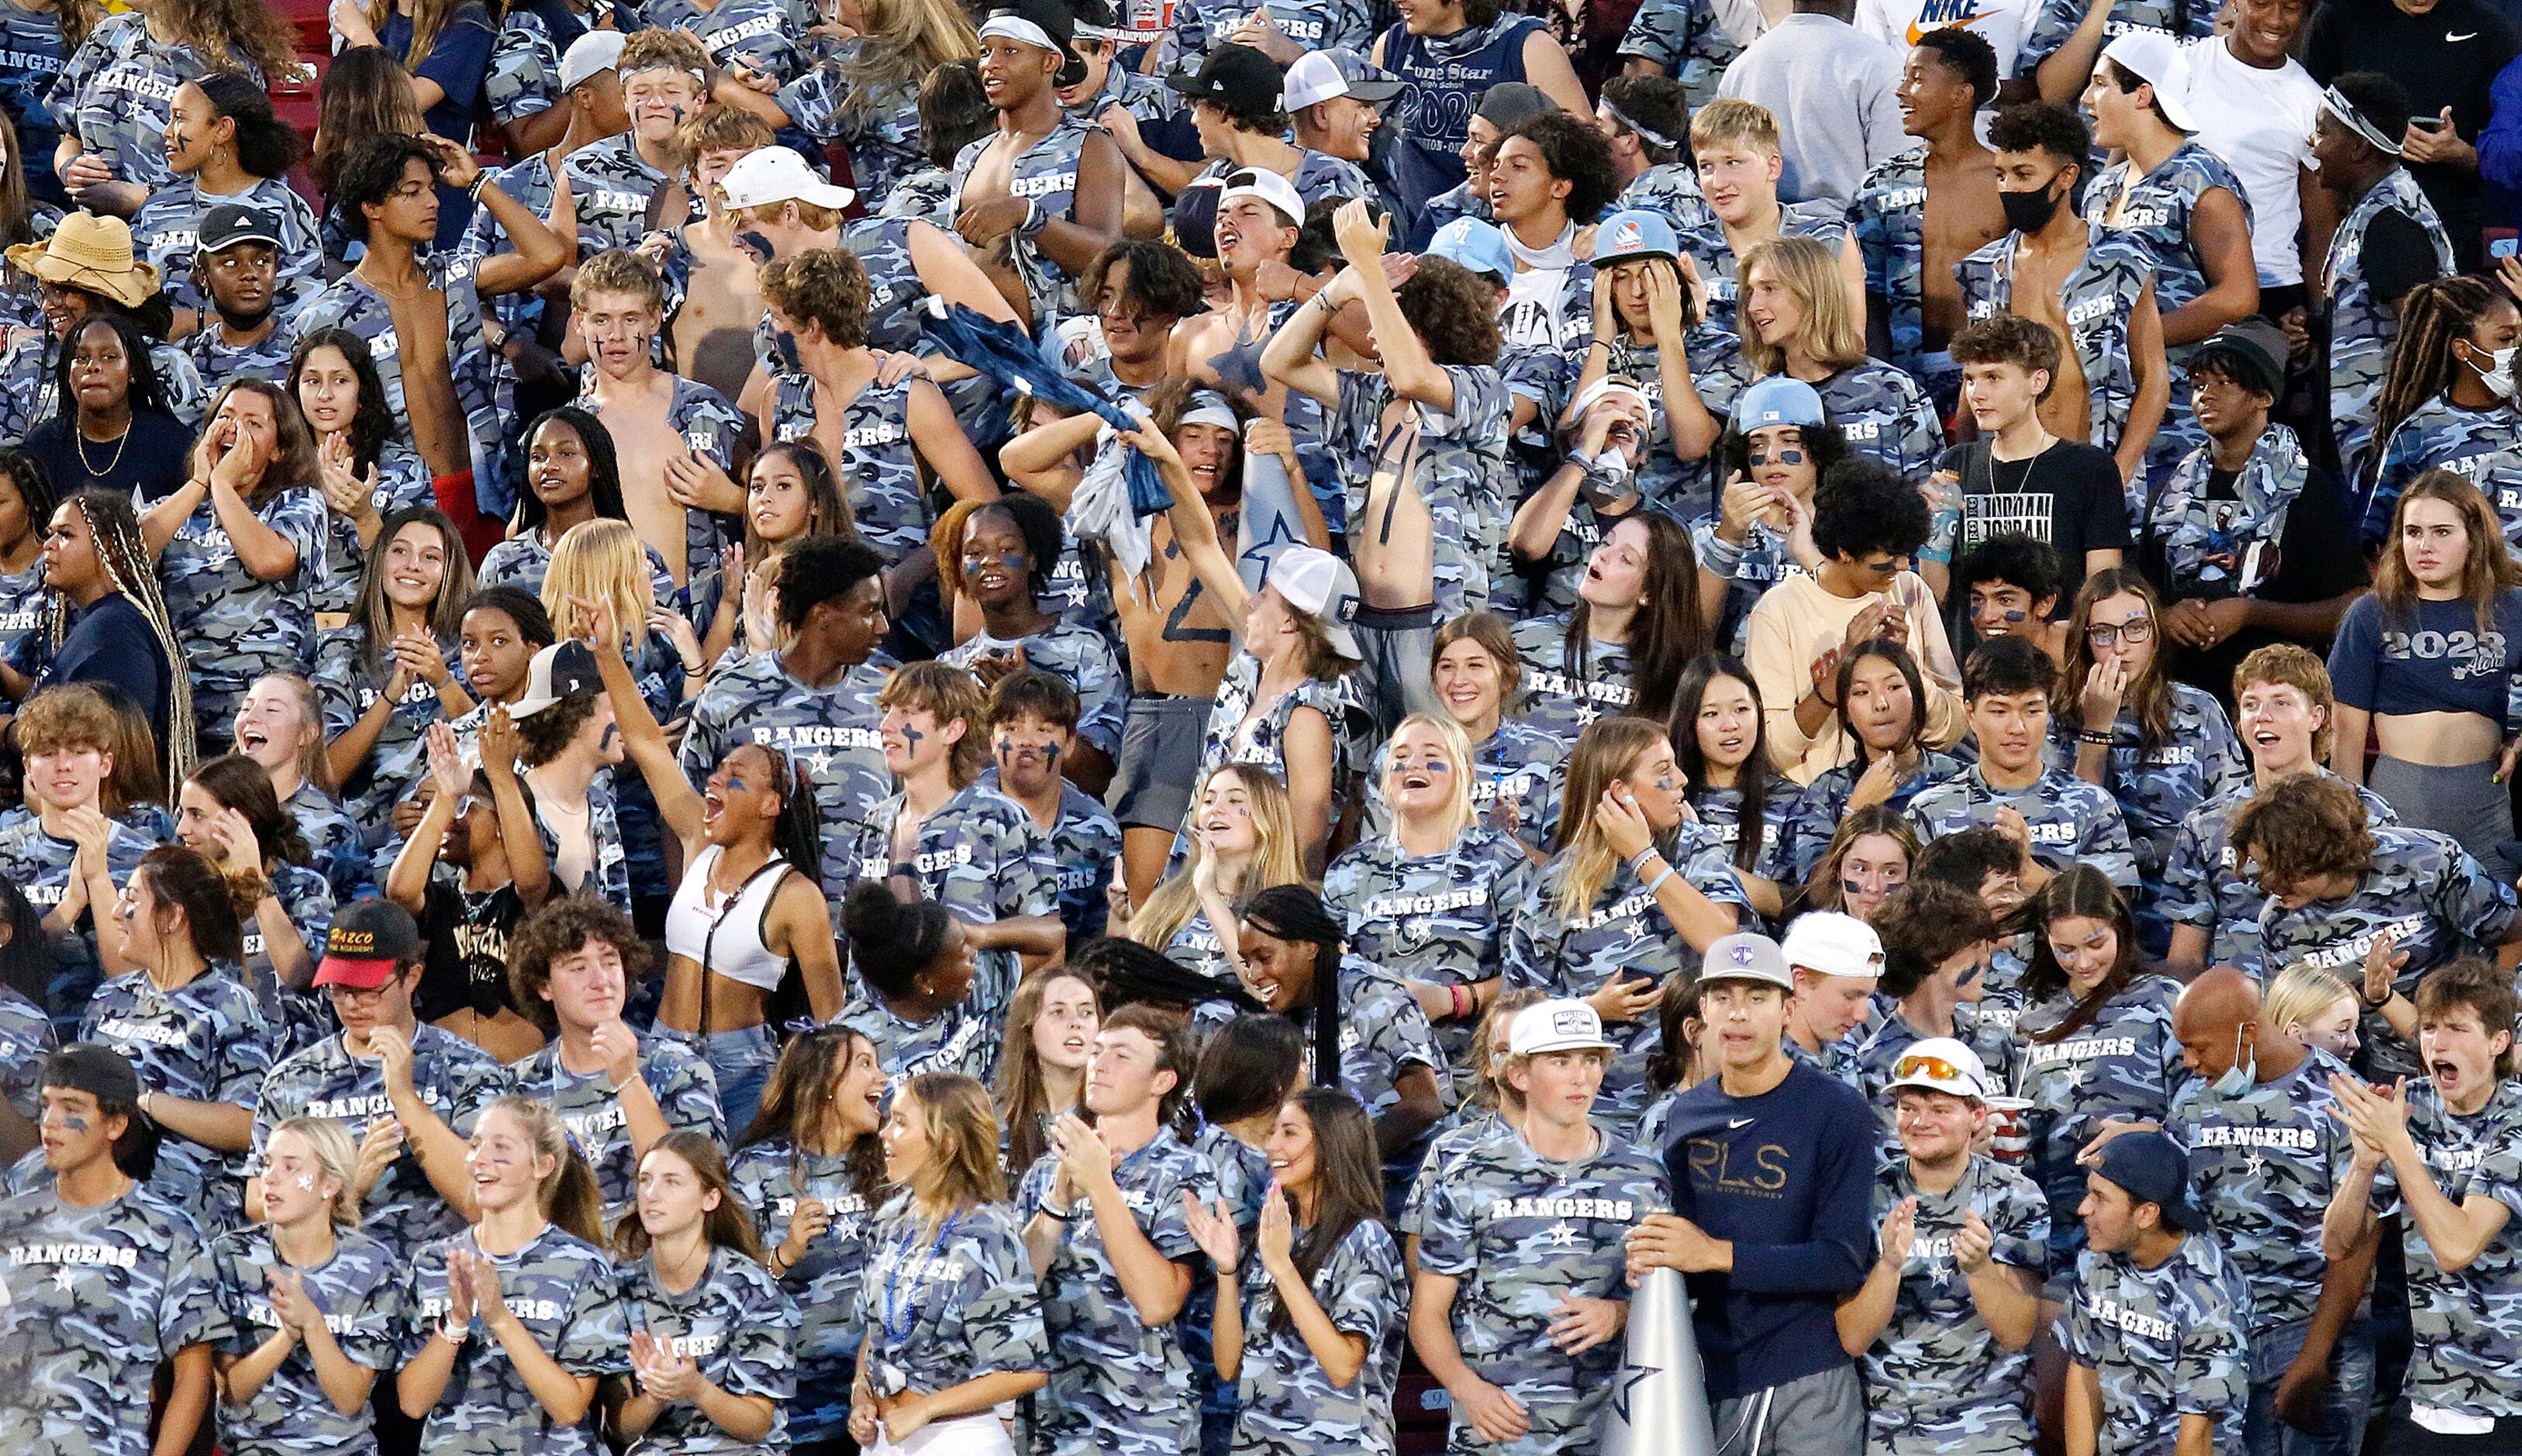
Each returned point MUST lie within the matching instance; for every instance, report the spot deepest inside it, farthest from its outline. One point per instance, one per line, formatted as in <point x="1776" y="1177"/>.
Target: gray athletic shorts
<point x="1819" y="1415"/>
<point x="1161" y="743"/>
<point x="1400" y="648"/>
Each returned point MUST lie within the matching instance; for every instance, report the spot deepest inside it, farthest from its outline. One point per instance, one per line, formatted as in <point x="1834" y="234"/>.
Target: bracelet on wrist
<point x="2097" y="740"/>
<point x="1662" y="876"/>
<point x="454" y="1334"/>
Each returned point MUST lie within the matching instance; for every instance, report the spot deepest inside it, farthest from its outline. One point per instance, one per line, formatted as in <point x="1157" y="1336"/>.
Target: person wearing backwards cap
<point x="2152" y="1333"/>
<point x="1431" y="432"/>
<point x="1040" y="197"/>
<point x="536" y="61"/>
<point x="2183" y="203"/>
<point x="1647" y="327"/>
<point x="1771" y="459"/>
<point x="101" y="1280"/>
<point x="613" y="180"/>
<point x="1772" y="1162"/>
<point x="1836" y="961"/>
<point x="1237" y="99"/>
<point x="247" y="332"/>
<point x="569" y="743"/>
<point x="2389" y="240"/>
<point x="406" y="1091"/>
<point x="1336" y="100"/>
<point x="1942" y="1325"/>
<point x="2268" y="1150"/>
<point x="1518" y="1304"/>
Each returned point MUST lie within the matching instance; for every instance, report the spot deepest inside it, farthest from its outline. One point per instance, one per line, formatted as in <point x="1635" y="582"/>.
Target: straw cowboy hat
<point x="91" y="253"/>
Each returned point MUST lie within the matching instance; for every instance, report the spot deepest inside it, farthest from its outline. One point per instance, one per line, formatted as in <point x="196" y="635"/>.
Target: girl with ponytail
<point x="1293" y="964"/>
<point x="750" y="904"/>
<point x="515" y="1319"/>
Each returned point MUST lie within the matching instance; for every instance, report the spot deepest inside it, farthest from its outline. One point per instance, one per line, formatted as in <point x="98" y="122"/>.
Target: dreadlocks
<point x="128" y="565"/>
<point x="2431" y="318"/>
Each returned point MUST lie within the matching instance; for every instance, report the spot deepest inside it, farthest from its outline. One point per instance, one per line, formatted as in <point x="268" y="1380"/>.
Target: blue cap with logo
<point x="1478" y="246"/>
<point x="1634" y="234"/>
<point x="1777" y="401"/>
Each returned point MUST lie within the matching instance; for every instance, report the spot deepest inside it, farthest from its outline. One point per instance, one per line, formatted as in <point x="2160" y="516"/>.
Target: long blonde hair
<point x="962" y="1128"/>
<point x="905" y="40"/>
<point x="1831" y="333"/>
<point x="602" y="560"/>
<point x="329" y="1144"/>
<point x="1457" y="804"/>
<point x="568" y="1197"/>
<point x="1277" y="859"/>
<point x="1606" y="752"/>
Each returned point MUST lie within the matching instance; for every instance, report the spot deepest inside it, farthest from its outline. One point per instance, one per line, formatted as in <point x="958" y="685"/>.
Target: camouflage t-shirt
<point x="682" y="1083"/>
<point x="768" y="1179"/>
<point x="2123" y="1063"/>
<point x="981" y="856"/>
<point x="233" y="626"/>
<point x="2468" y="1319"/>
<point x="27" y="1038"/>
<point x="1289" y="1402"/>
<point x="2166" y="1342"/>
<point x="564" y="1291"/>
<point x="1936" y="1379"/>
<point x="1441" y="918"/>
<point x="951" y="1303"/>
<point x="2072" y="822"/>
<point x="2264" y="1165"/>
<point x="361" y="1294"/>
<point x="735" y="1324"/>
<point x="205" y="1041"/>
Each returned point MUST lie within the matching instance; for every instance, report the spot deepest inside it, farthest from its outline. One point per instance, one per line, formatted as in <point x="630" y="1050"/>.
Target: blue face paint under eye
<point x="1850" y="887"/>
<point x="1437" y="765"/>
<point x="1967" y="976"/>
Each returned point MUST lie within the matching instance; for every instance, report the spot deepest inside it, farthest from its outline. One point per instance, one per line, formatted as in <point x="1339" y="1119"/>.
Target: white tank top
<point x="726" y="937"/>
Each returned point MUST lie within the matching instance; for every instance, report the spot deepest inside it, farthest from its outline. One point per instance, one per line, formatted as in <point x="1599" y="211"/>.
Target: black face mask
<point x="2031" y="212"/>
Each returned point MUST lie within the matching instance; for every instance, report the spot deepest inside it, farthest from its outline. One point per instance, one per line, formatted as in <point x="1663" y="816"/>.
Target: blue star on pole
<point x="1280" y="537"/>
<point x="1631" y="1377"/>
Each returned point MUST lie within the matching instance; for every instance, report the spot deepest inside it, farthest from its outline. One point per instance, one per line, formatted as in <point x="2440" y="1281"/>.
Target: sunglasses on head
<point x="1932" y="1068"/>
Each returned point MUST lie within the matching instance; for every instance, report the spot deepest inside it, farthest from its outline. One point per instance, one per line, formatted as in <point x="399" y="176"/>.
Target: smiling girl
<point x="515" y="1320"/>
<point x="312" y="1305"/>
<point x="280" y="727"/>
<point x="1882" y="698"/>
<point x="1479" y="677"/>
<point x="1242" y="843"/>
<point x="712" y="1334"/>
<point x="1722" y="743"/>
<point x="390" y="672"/>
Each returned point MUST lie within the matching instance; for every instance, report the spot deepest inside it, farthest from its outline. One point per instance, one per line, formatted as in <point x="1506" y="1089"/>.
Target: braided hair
<point x="2423" y="367"/>
<point x="129" y="564"/>
<point x="1293" y="913"/>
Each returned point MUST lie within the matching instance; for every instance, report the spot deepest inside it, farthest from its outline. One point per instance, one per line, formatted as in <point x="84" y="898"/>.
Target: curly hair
<point x="2015" y="559"/>
<point x="221" y="31"/>
<point x="2293" y="665"/>
<point x="2043" y="126"/>
<point x="1577" y="154"/>
<point x="371" y="171"/>
<point x="954" y="111"/>
<point x="2305" y="827"/>
<point x="560" y="928"/>
<point x="1266" y="119"/>
<point x="1452" y="311"/>
<point x="1861" y="508"/>
<point x="1925" y="923"/>
<point x="2007" y="338"/>
<point x="826" y="286"/>
<point x="656" y="49"/>
<point x="819" y="569"/>
<point x="1162" y="280"/>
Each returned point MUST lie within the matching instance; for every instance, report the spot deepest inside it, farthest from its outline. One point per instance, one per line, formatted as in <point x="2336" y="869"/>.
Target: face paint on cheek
<point x="1438" y="766"/>
<point x="1851" y="889"/>
<point x="1967" y="976"/>
<point x="306" y="1183"/>
<point x="75" y="1123"/>
<point x="2011" y="615"/>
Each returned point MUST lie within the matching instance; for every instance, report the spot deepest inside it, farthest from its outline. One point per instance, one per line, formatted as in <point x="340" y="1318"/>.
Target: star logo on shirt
<point x="815" y="763"/>
<point x="1562" y="1235"/>
<point x="2255" y="1164"/>
<point x="64" y="1278"/>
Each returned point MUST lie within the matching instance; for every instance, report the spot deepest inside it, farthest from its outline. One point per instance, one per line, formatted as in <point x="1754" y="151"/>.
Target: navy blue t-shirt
<point x="2430" y="659"/>
<point x="1789" y="1177"/>
<point x="458" y="60"/>
<point x="112" y="642"/>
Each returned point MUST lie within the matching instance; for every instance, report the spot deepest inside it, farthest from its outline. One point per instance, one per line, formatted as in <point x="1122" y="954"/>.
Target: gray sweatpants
<point x="1818" y="1415"/>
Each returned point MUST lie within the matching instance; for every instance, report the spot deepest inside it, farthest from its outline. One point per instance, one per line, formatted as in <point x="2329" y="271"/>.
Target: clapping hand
<point x="1214" y="1230"/>
<point x="663" y="1374"/>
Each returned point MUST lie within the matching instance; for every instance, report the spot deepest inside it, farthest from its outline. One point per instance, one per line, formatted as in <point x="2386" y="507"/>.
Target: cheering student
<point x="388" y="673"/>
<point x="809" y="1174"/>
<point x="408" y="1094"/>
<point x="1032" y="732"/>
<point x="2268" y="1149"/>
<point x="2057" y="821"/>
<point x="1882" y="710"/>
<point x="2338" y="887"/>
<point x="1050" y="1027"/>
<point x="514" y="1321"/>
<point x="1431" y="900"/>
<point x="2286" y="715"/>
<point x="1243" y="841"/>
<point x="1635" y="896"/>
<point x="70" y="856"/>
<point x="1517" y="1304"/>
<point x="189" y="1025"/>
<point x="106" y="1282"/>
<point x="227" y="814"/>
<point x="1772" y="1263"/>
<point x="1942" y="1325"/>
<point x="1479" y="677"/>
<point x="616" y="1091"/>
<point x="1112" y="1284"/>
<point x="1011" y="546"/>
<point x="953" y="1327"/>
<point x="470" y="913"/>
<point x="711" y="1330"/>
<point x="1318" y="1350"/>
<point x="2431" y="1152"/>
<point x="312" y="1306"/>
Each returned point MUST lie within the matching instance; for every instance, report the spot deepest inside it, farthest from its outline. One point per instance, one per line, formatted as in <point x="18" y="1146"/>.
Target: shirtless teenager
<point x="2092" y="291"/>
<point x="421" y="316"/>
<point x="664" y="426"/>
<point x="1919" y="212"/>
<point x="1434" y="426"/>
<point x="1180" y="641"/>
<point x="712" y="327"/>
<point x="1045" y="193"/>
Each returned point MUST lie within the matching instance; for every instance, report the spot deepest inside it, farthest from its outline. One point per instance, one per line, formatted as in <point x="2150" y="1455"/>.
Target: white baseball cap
<point x="1940" y="1064"/>
<point x="1321" y="586"/>
<point x="1828" y="943"/>
<point x="1556" y="1026"/>
<point x="2155" y="58"/>
<point x="1269" y="187"/>
<point x="780" y="174"/>
<point x="1319" y="75"/>
<point x="595" y="51"/>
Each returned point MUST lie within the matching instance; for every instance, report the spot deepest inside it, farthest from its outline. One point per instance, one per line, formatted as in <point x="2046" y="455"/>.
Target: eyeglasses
<point x="2134" y="629"/>
<point x="1932" y="1068"/>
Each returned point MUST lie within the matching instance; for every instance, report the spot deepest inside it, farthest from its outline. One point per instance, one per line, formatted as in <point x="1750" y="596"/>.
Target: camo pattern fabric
<point x="1936" y="1380"/>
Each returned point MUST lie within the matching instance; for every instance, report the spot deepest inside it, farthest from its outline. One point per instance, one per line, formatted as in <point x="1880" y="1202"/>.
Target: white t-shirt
<point x="2260" y="122"/>
<point x="2002" y="24"/>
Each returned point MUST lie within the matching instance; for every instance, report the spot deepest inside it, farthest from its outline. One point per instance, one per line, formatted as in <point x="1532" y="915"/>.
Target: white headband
<point x="1018" y="28"/>
<point x="2335" y="102"/>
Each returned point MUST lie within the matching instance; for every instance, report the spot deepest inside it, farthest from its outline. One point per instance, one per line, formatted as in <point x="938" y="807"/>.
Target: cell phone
<point x="2503" y="246"/>
<point x="2427" y="123"/>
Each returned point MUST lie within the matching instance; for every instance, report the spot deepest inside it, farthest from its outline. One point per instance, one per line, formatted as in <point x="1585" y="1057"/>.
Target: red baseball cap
<point x="366" y="941"/>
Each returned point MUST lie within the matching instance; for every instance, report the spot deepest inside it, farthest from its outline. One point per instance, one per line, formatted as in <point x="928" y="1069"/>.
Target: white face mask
<point x="2244" y="1074"/>
<point x="2499" y="380"/>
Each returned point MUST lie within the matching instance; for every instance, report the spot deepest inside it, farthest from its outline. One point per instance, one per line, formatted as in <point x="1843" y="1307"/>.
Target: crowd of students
<point x="759" y="725"/>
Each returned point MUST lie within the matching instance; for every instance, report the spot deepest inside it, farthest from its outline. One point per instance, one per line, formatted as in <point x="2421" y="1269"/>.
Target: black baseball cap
<point x="367" y="940"/>
<point x="2154" y="1170"/>
<point x="96" y="1069"/>
<point x="1236" y="75"/>
<point x="229" y="223"/>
